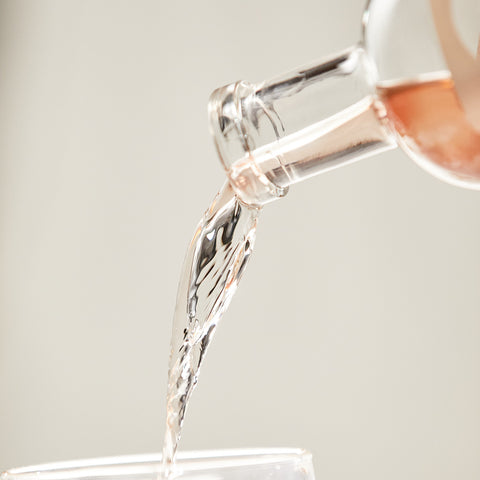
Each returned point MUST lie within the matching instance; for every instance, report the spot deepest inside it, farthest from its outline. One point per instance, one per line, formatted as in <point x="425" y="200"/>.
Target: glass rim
<point x="186" y="462"/>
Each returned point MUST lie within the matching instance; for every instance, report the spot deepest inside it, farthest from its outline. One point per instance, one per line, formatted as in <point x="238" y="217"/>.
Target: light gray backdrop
<point x="356" y="331"/>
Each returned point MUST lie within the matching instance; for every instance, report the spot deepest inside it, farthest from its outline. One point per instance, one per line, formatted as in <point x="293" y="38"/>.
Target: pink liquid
<point x="429" y="115"/>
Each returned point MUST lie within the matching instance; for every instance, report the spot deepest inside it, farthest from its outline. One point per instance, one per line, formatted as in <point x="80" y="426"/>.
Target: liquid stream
<point x="216" y="258"/>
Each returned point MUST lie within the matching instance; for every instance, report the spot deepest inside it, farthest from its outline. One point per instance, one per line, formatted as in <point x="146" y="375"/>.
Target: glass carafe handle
<point x="464" y="67"/>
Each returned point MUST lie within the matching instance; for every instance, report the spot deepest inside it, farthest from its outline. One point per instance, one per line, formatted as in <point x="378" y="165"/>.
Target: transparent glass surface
<point x="426" y="67"/>
<point x="412" y="80"/>
<point x="251" y="464"/>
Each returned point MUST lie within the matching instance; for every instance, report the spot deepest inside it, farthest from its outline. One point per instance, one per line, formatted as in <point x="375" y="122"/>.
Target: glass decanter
<point x="413" y="80"/>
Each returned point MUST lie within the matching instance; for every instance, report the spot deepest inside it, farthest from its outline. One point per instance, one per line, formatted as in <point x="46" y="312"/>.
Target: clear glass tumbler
<point x="251" y="464"/>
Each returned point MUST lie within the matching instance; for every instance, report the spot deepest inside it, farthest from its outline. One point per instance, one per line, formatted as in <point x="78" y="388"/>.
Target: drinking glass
<point x="251" y="464"/>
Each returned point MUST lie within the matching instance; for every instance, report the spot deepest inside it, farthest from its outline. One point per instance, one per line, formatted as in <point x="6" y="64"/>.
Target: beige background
<point x="356" y="331"/>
